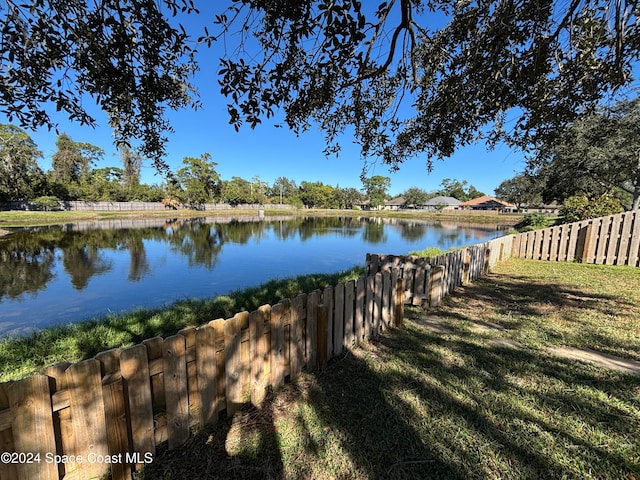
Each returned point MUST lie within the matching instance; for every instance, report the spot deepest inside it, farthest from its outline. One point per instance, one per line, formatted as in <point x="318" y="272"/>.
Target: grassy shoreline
<point x="22" y="356"/>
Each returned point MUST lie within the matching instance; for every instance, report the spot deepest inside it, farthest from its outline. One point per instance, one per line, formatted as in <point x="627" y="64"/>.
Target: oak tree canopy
<point x="407" y="77"/>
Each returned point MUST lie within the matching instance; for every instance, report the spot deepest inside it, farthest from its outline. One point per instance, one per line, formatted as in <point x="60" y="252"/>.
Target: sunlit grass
<point x="428" y="403"/>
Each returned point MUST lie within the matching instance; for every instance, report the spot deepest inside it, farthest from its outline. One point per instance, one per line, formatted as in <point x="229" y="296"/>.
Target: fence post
<point x="435" y="285"/>
<point x="487" y="261"/>
<point x="322" y="337"/>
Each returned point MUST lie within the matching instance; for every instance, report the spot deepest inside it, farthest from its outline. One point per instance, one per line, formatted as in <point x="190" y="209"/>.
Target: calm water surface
<point x="63" y="274"/>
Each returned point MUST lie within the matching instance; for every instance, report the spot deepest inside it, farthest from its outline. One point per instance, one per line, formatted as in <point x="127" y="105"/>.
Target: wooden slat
<point x="115" y="414"/>
<point x="30" y="403"/>
<point x="338" y="320"/>
<point x="233" y="362"/>
<point x="573" y="233"/>
<point x="602" y="226"/>
<point x="634" y="246"/>
<point x="195" y="406"/>
<point x="259" y="353"/>
<point x="88" y="416"/>
<point x="407" y="278"/>
<point x="207" y="373"/>
<point x="328" y="300"/>
<point x="398" y="303"/>
<point x="349" y="308"/>
<point x="545" y="245"/>
<point x="313" y="300"/>
<point x="385" y="311"/>
<point x="7" y="470"/>
<point x="419" y="281"/>
<point x="435" y="285"/>
<point x="176" y="389"/>
<point x="63" y="425"/>
<point x="135" y="374"/>
<point x="359" y="316"/>
<point x="530" y="236"/>
<point x="298" y="340"/>
<point x="377" y="305"/>
<point x="368" y="306"/>
<point x="625" y="239"/>
<point x="154" y="354"/>
<point x="218" y="326"/>
<point x="613" y="247"/>
<point x="554" y="247"/>
<point x="563" y="242"/>
<point x="279" y="316"/>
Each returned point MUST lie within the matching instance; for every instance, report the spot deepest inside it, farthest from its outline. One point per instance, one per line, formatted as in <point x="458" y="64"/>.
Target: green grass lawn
<point x="445" y="399"/>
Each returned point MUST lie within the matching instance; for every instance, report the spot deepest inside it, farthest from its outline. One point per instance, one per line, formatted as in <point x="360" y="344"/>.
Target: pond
<point x="63" y="274"/>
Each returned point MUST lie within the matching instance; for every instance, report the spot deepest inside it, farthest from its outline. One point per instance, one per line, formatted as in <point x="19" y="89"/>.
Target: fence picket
<point x="195" y="406"/>
<point x="218" y="327"/>
<point x="88" y="416"/>
<point x="234" y="369"/>
<point x="368" y="306"/>
<point x="603" y="227"/>
<point x="385" y="312"/>
<point x="625" y="237"/>
<point x="30" y="404"/>
<point x="613" y="247"/>
<point x="328" y="300"/>
<point x="279" y="316"/>
<point x="298" y="335"/>
<point x="338" y="320"/>
<point x="207" y="374"/>
<point x="377" y="305"/>
<point x="349" y="309"/>
<point x="358" y="324"/>
<point x="259" y="353"/>
<point x="313" y="300"/>
<point x="58" y="383"/>
<point x="634" y="247"/>
<point x="135" y="373"/>
<point x="176" y="389"/>
<point x="419" y="281"/>
<point x="7" y="470"/>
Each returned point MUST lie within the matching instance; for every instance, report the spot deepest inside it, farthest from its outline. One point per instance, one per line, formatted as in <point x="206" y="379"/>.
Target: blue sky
<point x="269" y="152"/>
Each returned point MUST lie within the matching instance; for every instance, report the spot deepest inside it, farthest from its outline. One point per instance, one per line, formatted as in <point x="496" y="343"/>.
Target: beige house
<point x="488" y="203"/>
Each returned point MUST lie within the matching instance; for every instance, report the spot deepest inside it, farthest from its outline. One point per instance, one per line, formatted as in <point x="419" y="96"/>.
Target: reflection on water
<point x="65" y="273"/>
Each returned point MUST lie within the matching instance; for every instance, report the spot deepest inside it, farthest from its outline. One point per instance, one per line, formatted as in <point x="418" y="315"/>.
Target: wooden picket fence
<point x="108" y="413"/>
<point x="425" y="281"/>
<point x="611" y="240"/>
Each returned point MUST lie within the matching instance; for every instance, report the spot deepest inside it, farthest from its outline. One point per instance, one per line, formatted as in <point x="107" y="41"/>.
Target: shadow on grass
<point x="549" y="311"/>
<point x="418" y="404"/>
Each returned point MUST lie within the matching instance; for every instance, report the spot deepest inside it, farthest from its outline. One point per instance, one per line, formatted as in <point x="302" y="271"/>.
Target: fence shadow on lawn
<point x="549" y="311"/>
<point x="415" y="403"/>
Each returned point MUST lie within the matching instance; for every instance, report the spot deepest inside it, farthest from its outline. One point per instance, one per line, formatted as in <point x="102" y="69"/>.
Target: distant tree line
<point x="74" y="176"/>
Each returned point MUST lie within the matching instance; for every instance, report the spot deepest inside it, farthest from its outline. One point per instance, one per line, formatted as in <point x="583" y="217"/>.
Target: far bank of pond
<point x="20" y="218"/>
<point x="66" y="273"/>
